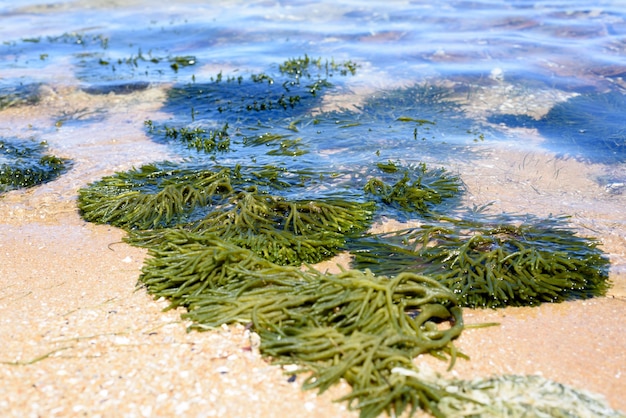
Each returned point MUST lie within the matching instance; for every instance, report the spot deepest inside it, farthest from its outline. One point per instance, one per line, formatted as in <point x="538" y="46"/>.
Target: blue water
<point x="459" y="51"/>
<point x="100" y="48"/>
<point x="567" y="44"/>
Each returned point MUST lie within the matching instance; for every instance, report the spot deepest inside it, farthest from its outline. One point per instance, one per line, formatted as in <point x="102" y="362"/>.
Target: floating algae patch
<point x="259" y="109"/>
<point x="25" y="164"/>
<point x="589" y="127"/>
<point x="493" y="261"/>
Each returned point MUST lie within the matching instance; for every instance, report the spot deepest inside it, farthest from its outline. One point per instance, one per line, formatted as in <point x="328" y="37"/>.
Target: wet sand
<point x="80" y="340"/>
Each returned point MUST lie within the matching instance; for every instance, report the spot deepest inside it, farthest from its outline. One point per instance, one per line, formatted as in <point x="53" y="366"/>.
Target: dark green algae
<point x="155" y="201"/>
<point x="26" y="164"/>
<point x="493" y="261"/>
<point x="227" y="241"/>
<point x="18" y="95"/>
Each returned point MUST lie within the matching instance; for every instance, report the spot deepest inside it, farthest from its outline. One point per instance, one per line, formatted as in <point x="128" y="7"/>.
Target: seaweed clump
<point x="155" y="202"/>
<point x="418" y="190"/>
<point x="25" y="165"/>
<point x="493" y="261"/>
<point x="351" y="325"/>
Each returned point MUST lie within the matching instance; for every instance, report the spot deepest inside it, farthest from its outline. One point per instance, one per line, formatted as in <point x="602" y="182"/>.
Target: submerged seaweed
<point x="25" y="164"/>
<point x="278" y="116"/>
<point x="258" y="97"/>
<point x="493" y="261"/>
<point x="197" y="139"/>
<point x="249" y="107"/>
<point x="415" y="189"/>
<point x="22" y="94"/>
<point x="411" y="123"/>
<point x="590" y="127"/>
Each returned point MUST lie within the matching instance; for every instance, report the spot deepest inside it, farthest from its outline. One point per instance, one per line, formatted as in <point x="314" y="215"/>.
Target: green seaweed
<point x="493" y="261"/>
<point x="152" y="196"/>
<point x="300" y="67"/>
<point x="198" y="139"/>
<point x="227" y="204"/>
<point x="352" y="325"/>
<point x="167" y="194"/>
<point x="281" y="231"/>
<point x="418" y="190"/>
<point x="25" y="164"/>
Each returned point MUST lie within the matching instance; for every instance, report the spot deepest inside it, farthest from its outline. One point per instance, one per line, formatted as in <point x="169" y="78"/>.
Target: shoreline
<point x="80" y="339"/>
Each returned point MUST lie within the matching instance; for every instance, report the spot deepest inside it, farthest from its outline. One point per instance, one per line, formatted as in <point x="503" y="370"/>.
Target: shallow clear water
<point x="565" y="44"/>
<point x="84" y="76"/>
<point x="103" y="46"/>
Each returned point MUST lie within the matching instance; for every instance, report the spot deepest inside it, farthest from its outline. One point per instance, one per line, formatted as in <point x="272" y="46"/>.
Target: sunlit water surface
<point x="84" y="76"/>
